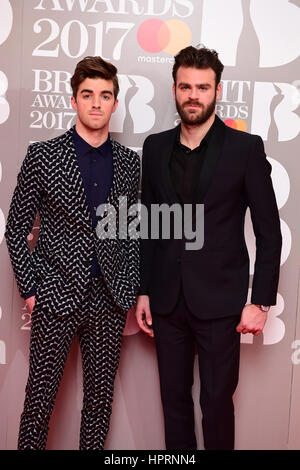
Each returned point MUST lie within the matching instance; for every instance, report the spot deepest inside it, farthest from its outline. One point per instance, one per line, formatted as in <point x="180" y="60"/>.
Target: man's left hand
<point x="253" y="320"/>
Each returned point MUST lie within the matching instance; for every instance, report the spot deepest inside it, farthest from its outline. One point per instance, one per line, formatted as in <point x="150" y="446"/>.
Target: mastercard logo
<point x="170" y="36"/>
<point x="238" y="124"/>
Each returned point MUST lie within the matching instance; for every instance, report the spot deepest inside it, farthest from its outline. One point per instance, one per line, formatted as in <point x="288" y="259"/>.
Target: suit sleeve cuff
<point x="29" y="294"/>
<point x="142" y="292"/>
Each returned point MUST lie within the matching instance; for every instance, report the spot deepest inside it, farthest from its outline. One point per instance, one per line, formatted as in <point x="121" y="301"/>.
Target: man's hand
<point x="143" y="314"/>
<point x="253" y="320"/>
<point x="30" y="303"/>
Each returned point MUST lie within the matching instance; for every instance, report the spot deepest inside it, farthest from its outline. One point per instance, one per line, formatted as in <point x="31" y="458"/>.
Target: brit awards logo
<point x="6" y="21"/>
<point x="4" y="105"/>
<point x="134" y="114"/>
<point x="273" y="105"/>
<point x="274" y="114"/>
<point x="229" y="27"/>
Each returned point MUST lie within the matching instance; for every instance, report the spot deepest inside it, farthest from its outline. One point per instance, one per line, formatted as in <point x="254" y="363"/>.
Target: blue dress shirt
<point x="96" y="168"/>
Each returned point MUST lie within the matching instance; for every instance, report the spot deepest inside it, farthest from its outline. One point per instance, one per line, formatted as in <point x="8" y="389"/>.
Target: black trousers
<point x="99" y="324"/>
<point x="218" y="347"/>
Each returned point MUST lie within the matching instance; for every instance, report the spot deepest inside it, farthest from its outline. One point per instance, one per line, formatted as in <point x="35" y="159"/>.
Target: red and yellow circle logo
<point x="170" y="36"/>
<point x="238" y="124"/>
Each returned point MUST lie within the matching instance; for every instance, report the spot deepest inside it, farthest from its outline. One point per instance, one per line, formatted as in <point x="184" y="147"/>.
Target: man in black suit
<point x="190" y="297"/>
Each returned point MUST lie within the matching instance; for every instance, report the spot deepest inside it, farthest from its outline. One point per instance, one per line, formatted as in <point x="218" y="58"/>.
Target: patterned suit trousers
<point x="99" y="324"/>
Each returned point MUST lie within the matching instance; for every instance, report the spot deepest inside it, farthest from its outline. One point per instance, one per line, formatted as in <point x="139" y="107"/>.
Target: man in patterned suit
<point x="74" y="282"/>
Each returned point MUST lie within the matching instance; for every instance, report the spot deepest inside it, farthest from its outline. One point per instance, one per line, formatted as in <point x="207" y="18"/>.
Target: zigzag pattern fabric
<point x="59" y="269"/>
<point x="99" y="325"/>
<point x="60" y="265"/>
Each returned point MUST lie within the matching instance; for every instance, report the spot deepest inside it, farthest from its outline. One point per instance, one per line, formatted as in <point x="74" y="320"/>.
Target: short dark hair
<point x="94" y="67"/>
<point x="199" y="58"/>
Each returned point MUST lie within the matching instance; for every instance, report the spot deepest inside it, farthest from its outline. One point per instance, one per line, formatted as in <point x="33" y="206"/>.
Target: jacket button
<point x="178" y="260"/>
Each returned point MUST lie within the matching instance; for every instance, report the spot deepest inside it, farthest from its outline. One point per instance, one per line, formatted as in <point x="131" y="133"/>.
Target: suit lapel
<point x="212" y="157"/>
<point x="76" y="194"/>
<point x="166" y="153"/>
<point x="118" y="175"/>
<point x="72" y="173"/>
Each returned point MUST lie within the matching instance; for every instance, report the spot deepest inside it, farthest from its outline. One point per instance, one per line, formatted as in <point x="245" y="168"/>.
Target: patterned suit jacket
<point x="59" y="267"/>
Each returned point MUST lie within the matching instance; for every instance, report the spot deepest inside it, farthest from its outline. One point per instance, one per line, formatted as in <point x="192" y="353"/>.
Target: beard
<point x="195" y="117"/>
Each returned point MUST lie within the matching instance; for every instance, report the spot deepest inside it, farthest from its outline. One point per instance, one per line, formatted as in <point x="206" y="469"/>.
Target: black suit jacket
<point x="215" y="279"/>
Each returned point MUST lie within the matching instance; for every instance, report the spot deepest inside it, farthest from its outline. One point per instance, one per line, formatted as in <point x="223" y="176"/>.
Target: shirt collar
<point x="83" y="147"/>
<point x="205" y="139"/>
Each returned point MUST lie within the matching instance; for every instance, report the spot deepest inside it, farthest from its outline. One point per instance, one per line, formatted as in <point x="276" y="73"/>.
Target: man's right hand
<point x="30" y="303"/>
<point x="143" y="314"/>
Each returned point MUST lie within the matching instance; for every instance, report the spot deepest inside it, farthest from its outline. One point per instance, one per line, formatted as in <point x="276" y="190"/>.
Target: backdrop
<point x="258" y="40"/>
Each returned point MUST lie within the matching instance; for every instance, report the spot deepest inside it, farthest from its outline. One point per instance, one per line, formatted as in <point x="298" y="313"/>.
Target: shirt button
<point x="95" y="184"/>
<point x="94" y="160"/>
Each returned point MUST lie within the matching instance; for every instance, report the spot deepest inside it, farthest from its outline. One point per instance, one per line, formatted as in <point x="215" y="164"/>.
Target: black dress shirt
<point x="185" y="167"/>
